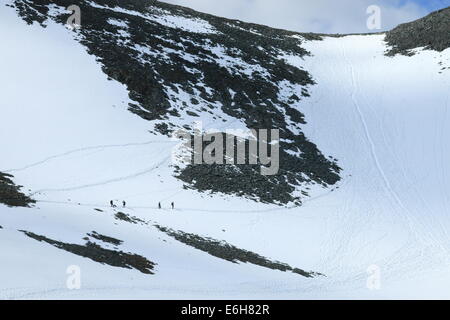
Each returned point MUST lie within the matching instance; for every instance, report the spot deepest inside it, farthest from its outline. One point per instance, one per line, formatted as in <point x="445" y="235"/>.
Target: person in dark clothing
<point x="124" y="204"/>
<point x="159" y="205"/>
<point x="111" y="203"/>
<point x="173" y="205"/>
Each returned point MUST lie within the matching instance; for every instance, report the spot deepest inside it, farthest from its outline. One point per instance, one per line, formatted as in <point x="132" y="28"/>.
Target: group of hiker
<point x="172" y="204"/>
<point x="113" y="205"/>
<point x="124" y="204"/>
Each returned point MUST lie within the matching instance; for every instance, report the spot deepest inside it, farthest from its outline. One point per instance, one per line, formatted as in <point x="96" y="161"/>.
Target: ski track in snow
<point x="368" y="136"/>
<point x="101" y="147"/>
<point x="424" y="240"/>
<point x="109" y="181"/>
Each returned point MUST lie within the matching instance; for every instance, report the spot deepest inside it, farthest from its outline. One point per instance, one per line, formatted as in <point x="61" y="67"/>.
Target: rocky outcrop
<point x="11" y="194"/>
<point x="181" y="66"/>
<point x="431" y="32"/>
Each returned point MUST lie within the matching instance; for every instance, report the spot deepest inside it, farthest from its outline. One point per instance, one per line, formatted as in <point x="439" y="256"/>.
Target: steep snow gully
<point x="385" y="119"/>
<point x="384" y="111"/>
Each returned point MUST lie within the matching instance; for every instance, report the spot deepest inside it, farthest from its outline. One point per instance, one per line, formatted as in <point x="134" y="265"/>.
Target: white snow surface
<point x="67" y="136"/>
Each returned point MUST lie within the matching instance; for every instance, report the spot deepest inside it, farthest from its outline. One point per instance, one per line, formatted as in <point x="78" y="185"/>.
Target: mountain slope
<point x="430" y="32"/>
<point x="180" y="66"/>
<point x="67" y="136"/>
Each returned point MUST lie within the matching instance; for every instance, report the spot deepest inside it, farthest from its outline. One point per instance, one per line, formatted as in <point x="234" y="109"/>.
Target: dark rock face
<point x="127" y="218"/>
<point x="98" y="254"/>
<point x="105" y="239"/>
<point x="220" y="70"/>
<point x="226" y="251"/>
<point x="10" y="193"/>
<point x="431" y="32"/>
<point x="242" y="180"/>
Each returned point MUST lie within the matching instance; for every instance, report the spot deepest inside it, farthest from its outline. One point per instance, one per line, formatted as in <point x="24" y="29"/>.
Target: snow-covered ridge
<point x="165" y="18"/>
<point x="68" y="137"/>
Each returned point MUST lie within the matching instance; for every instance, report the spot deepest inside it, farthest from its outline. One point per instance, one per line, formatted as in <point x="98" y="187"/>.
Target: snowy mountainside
<point x="430" y="32"/>
<point x="68" y="137"/>
<point x="181" y="66"/>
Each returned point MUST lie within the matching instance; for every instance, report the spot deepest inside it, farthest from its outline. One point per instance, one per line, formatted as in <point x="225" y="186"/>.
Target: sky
<point x="322" y="16"/>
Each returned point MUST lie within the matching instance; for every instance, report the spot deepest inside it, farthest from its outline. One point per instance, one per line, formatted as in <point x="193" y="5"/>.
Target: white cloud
<point x="328" y="16"/>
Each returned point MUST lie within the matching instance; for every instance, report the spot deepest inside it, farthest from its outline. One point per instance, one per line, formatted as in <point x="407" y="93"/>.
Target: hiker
<point x="111" y="203"/>
<point x="173" y="205"/>
<point x="124" y="203"/>
<point x="159" y="205"/>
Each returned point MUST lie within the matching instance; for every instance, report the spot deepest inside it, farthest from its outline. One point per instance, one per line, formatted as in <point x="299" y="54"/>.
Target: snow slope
<point x="68" y="137"/>
<point x="385" y="119"/>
